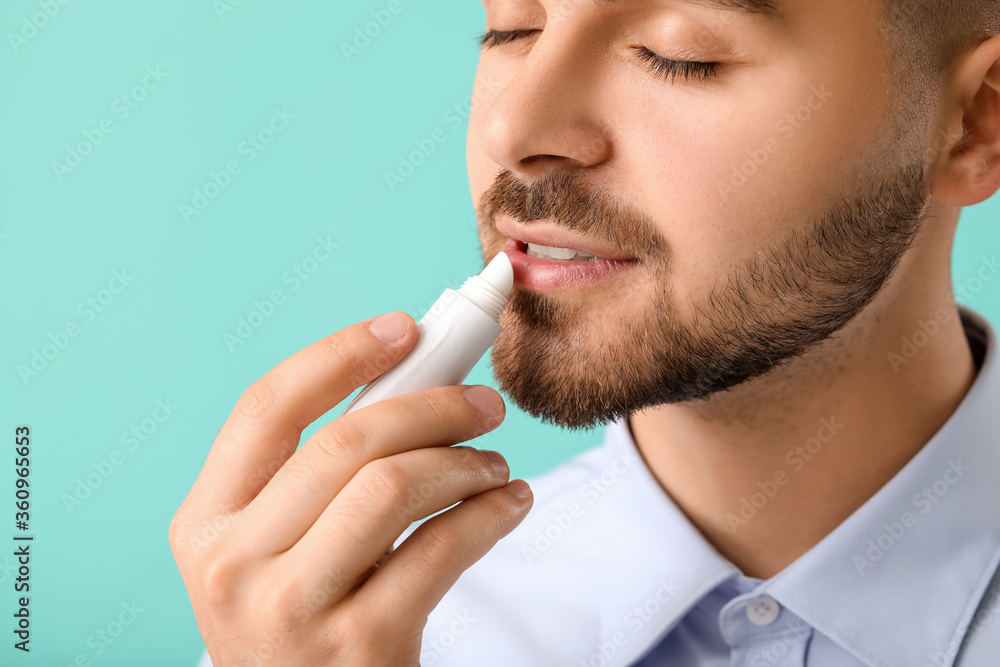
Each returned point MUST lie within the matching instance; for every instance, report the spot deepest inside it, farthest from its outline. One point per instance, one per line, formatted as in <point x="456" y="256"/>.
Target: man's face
<point x="765" y="199"/>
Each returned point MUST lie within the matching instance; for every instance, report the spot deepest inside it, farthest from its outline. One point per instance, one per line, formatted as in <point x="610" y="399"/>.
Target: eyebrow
<point x="766" y="7"/>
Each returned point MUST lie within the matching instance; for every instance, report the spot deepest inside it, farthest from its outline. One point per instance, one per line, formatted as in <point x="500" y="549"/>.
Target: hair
<point x="923" y="39"/>
<point x="926" y="36"/>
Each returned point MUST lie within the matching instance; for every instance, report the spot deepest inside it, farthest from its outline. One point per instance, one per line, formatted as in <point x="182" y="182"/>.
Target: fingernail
<point x="499" y="464"/>
<point x="486" y="401"/>
<point x="519" y="488"/>
<point x="389" y="327"/>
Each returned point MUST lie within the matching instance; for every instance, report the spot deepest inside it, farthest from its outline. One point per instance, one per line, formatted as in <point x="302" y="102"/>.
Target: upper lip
<point x="542" y="233"/>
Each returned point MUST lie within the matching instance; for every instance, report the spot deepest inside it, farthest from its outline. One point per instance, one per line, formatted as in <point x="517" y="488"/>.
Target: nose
<point x="548" y="114"/>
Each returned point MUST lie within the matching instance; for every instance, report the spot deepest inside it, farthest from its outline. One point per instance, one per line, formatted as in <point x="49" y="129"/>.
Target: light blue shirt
<point x="606" y="571"/>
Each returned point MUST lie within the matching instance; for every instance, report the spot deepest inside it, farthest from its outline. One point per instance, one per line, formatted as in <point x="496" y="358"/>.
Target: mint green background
<point x="162" y="337"/>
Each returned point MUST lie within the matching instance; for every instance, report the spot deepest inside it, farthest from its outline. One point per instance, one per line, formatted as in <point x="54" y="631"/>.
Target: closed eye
<point x="671" y="69"/>
<point x="657" y="64"/>
<point x="492" y="38"/>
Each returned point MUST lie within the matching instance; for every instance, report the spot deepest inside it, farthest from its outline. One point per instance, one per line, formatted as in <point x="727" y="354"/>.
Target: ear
<point x="964" y="158"/>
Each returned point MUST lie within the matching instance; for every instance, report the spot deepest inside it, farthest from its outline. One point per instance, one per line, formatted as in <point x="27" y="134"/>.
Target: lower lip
<point x="546" y="273"/>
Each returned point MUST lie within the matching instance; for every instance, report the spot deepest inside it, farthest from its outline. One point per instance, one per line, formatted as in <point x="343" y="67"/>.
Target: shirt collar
<point x="904" y="559"/>
<point x="920" y="553"/>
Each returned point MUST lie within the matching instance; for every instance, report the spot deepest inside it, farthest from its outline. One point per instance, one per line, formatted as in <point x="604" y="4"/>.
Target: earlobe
<point x="967" y="172"/>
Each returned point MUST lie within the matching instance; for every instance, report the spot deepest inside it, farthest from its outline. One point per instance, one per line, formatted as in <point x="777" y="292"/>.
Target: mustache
<point x="566" y="199"/>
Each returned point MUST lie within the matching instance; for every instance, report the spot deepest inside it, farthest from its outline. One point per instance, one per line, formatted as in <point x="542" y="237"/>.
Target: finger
<point x="267" y="422"/>
<point x="380" y="502"/>
<point x="309" y="481"/>
<point x="410" y="582"/>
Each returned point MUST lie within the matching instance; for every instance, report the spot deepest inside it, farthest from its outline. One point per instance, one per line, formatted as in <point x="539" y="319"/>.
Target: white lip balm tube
<point x="453" y="336"/>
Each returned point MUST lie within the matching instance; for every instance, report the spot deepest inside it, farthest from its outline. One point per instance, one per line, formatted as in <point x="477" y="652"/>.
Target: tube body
<point x="453" y="336"/>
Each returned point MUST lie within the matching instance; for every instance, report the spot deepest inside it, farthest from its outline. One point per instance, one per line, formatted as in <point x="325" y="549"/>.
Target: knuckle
<point x="342" y="439"/>
<point x="499" y="511"/>
<point x="274" y="607"/>
<point x="340" y="351"/>
<point x="352" y="626"/>
<point x="300" y="473"/>
<point x="437" y="543"/>
<point x="258" y="400"/>
<point x="352" y="634"/>
<point x="441" y="405"/>
<point x="265" y="471"/>
<point x="384" y="480"/>
<point x="486" y="468"/>
<point x="475" y="460"/>
<point x="175" y="532"/>
<point x="220" y="576"/>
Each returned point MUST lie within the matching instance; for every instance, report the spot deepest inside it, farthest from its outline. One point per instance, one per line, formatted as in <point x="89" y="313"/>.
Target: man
<point x="802" y="437"/>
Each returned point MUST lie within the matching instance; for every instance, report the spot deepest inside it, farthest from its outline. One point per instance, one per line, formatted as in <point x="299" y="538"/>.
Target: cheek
<point x="481" y="169"/>
<point x="734" y="177"/>
<point x="681" y="180"/>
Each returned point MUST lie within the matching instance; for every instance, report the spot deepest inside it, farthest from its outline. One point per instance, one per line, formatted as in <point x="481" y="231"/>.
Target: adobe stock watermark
<point x="209" y="532"/>
<point x="441" y="300"/>
<point x="447" y="638"/>
<point x="924" y="501"/>
<point x="365" y="34"/>
<point x="223" y="7"/>
<point x="785" y="129"/>
<point x="132" y="439"/>
<point x="453" y="117"/>
<point x="797" y="458"/>
<point x="105" y="636"/>
<point x="988" y="270"/>
<point x="635" y="619"/>
<point x="31" y="24"/>
<point x="563" y="521"/>
<point x="122" y="108"/>
<point x="88" y="310"/>
<point x="294" y="277"/>
<point x="775" y="652"/>
<point x="305" y="608"/>
<point x="249" y="149"/>
<point x="987" y="612"/>
<point x="912" y="344"/>
<point x="942" y="144"/>
<point x="926" y="330"/>
<point x="415" y="506"/>
<point x="896" y="14"/>
<point x="201" y="537"/>
<point x="317" y="600"/>
<point x="947" y="656"/>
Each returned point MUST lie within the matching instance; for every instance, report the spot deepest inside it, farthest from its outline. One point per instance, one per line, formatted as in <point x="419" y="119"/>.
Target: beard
<point x="575" y="367"/>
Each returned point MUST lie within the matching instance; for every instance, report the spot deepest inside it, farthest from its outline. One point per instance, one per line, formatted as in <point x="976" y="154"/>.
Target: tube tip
<point x="499" y="273"/>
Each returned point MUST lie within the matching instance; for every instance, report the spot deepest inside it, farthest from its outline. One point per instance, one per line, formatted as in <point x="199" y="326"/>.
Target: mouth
<point x="555" y="254"/>
<point x="546" y="256"/>
<point x="546" y="242"/>
<point x="545" y="267"/>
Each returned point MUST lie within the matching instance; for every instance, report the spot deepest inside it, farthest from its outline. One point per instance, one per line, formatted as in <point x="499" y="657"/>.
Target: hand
<point x="287" y="552"/>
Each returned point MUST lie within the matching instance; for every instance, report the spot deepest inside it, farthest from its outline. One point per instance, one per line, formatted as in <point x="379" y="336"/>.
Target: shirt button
<point x="763" y="611"/>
